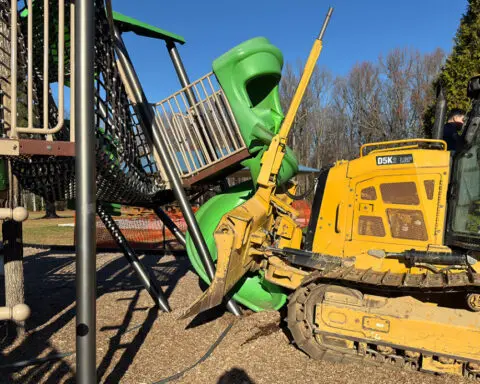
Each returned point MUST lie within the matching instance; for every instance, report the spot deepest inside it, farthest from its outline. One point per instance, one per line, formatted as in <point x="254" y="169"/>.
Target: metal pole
<point x="145" y="278"/>
<point x="185" y="82"/>
<point x="167" y="221"/>
<point x="85" y="227"/>
<point x="147" y="118"/>
<point x="440" y="112"/>
<point x="325" y="24"/>
<point x="181" y="72"/>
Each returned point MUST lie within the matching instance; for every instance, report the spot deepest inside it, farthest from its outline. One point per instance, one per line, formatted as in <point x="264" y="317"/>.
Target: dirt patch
<point x="263" y="330"/>
<point x="137" y="344"/>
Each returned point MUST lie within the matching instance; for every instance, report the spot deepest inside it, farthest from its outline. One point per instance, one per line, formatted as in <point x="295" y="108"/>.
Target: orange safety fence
<point x="145" y="231"/>
<point x="304" y="210"/>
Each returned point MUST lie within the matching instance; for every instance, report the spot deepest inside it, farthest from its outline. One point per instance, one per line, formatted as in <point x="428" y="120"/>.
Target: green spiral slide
<point x="249" y="75"/>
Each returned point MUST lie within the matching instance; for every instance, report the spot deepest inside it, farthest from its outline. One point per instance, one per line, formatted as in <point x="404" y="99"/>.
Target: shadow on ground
<point x="235" y="375"/>
<point x="50" y="292"/>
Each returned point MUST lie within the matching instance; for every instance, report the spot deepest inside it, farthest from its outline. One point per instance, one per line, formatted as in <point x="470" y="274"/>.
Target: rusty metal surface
<point x="48" y="148"/>
<point x="25" y="147"/>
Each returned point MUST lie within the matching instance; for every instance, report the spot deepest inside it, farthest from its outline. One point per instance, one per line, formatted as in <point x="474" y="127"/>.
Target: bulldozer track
<point x="443" y="281"/>
<point x="305" y="333"/>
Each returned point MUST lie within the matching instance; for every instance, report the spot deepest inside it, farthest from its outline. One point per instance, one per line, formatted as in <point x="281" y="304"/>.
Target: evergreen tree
<point x="462" y="64"/>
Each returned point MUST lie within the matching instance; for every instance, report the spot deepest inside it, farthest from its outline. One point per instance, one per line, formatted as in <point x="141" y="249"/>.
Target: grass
<point x="40" y="231"/>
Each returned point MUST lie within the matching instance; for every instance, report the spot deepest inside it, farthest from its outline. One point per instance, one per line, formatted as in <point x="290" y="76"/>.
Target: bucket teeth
<point x="236" y="235"/>
<point x="212" y="297"/>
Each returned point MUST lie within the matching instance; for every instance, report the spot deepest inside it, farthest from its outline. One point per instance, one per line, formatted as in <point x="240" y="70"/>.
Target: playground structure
<point x="369" y="273"/>
<point x="117" y="147"/>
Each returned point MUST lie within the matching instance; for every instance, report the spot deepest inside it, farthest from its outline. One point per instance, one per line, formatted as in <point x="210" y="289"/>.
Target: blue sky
<point x="359" y="31"/>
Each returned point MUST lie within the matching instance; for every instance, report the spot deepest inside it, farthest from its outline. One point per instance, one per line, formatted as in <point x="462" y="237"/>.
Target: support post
<point x="440" y="112"/>
<point x="167" y="222"/>
<point x="145" y="278"/>
<point x="12" y="232"/>
<point x="13" y="266"/>
<point x="181" y="72"/>
<point x="145" y="113"/>
<point x="85" y="170"/>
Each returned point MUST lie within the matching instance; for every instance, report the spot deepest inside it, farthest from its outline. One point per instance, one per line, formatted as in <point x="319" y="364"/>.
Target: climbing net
<point x="125" y="169"/>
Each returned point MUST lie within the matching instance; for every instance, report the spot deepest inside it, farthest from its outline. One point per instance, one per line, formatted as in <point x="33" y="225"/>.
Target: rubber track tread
<point x="300" y="326"/>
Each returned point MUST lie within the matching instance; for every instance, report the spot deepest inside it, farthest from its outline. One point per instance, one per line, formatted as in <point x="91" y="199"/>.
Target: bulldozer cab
<point x="463" y="229"/>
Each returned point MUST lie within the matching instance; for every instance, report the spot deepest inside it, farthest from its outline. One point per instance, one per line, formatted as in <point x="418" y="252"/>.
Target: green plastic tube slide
<point x="253" y="291"/>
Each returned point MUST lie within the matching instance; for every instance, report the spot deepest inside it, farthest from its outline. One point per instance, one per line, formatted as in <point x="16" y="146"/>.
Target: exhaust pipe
<point x="440" y="112"/>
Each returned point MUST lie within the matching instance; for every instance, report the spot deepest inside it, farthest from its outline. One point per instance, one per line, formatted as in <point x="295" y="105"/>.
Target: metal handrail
<point x="14" y="130"/>
<point x="400" y="144"/>
<point x="199" y="127"/>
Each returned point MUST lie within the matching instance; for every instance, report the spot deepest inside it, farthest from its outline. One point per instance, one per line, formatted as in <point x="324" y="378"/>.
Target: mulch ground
<point x="137" y="344"/>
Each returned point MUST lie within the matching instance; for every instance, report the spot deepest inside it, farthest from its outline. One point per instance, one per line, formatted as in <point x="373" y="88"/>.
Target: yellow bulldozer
<point x="389" y="267"/>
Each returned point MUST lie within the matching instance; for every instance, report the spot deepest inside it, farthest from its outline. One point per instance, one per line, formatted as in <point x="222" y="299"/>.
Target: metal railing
<point x="399" y="145"/>
<point x="199" y="126"/>
<point x="35" y="25"/>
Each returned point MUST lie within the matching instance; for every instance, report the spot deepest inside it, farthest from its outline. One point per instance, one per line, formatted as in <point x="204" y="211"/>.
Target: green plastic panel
<point x="249" y="75"/>
<point x="129" y="24"/>
<point x="253" y="291"/>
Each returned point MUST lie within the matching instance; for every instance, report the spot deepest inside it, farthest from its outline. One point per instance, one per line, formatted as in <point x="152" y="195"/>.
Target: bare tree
<point x="408" y="76"/>
<point x="375" y="101"/>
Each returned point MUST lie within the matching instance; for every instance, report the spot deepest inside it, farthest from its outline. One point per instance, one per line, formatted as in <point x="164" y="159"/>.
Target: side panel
<point x="330" y="230"/>
<point x="316" y="207"/>
<point x="396" y="207"/>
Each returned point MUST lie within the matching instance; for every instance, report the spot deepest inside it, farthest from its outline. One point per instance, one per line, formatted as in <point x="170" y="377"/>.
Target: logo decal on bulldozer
<point x="394" y="159"/>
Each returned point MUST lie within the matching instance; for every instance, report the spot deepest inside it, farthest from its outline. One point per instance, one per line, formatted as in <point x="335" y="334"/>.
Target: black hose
<point x="201" y="360"/>
<point x="57" y="356"/>
<point x="303" y="195"/>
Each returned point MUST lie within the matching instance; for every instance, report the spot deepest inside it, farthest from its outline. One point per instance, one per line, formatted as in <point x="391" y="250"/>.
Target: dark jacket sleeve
<point x="451" y="137"/>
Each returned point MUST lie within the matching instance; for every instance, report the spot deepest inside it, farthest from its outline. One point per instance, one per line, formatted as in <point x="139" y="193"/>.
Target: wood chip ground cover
<point x="137" y="344"/>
